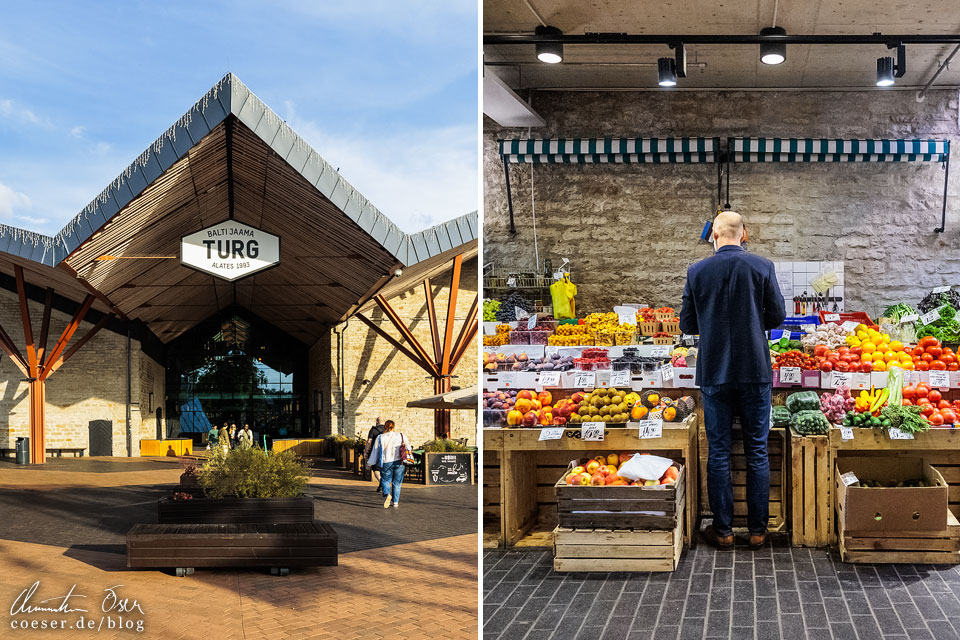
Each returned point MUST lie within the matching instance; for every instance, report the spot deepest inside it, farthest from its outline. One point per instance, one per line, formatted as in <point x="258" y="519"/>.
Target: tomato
<point x="842" y="366"/>
<point x="849" y="358"/>
<point x="943" y="404"/>
<point x="948" y="357"/>
<point x="938" y="365"/>
<point x="928" y="410"/>
<point x="909" y="392"/>
<point x="934" y="396"/>
<point x="949" y="416"/>
<point x="935" y="418"/>
<point x="866" y="366"/>
<point x="922" y="389"/>
<point x="843" y="351"/>
<point x="953" y="366"/>
<point x="922" y="366"/>
<point x="857" y="351"/>
<point x="917" y="351"/>
<point x="820" y="350"/>
<point x="936" y="352"/>
<point x="926" y="357"/>
<point x="948" y="350"/>
<point x="928" y="341"/>
<point x="923" y="401"/>
<point x="906" y="402"/>
<point x="826" y="366"/>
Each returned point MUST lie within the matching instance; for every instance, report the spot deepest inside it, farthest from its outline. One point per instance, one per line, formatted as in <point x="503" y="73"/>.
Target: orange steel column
<point x="38" y="446"/>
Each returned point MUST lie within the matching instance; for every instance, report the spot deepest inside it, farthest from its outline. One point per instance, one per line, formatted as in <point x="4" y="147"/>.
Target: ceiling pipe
<point x="941" y="69"/>
<point x="731" y="39"/>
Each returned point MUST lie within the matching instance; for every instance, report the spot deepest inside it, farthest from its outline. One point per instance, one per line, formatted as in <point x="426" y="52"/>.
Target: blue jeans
<point x="752" y="403"/>
<point x="391" y="477"/>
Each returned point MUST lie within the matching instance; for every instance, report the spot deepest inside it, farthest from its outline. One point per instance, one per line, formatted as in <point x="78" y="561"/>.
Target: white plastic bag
<point x="644" y="468"/>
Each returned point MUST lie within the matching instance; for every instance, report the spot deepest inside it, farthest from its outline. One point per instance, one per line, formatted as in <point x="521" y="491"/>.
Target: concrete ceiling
<point x="714" y="66"/>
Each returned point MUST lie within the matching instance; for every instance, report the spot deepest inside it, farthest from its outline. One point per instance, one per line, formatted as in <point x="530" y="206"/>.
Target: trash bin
<point x="23" y="450"/>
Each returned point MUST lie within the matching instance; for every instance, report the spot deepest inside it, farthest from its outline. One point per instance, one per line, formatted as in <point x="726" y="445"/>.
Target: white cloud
<point x="10" y="110"/>
<point x="77" y="131"/>
<point x="416" y="177"/>
<point x="11" y="200"/>
<point x="102" y="148"/>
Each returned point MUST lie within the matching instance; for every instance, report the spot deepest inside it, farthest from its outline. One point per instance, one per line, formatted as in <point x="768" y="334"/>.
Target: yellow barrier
<point x="172" y="447"/>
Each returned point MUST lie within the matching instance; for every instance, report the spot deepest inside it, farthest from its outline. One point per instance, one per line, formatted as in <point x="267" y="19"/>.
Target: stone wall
<point x="631" y="231"/>
<point x="152" y="381"/>
<point x="90" y="386"/>
<point x="391" y="379"/>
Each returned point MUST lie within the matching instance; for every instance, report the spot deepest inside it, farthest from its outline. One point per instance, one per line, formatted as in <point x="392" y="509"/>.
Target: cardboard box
<point x="893" y="509"/>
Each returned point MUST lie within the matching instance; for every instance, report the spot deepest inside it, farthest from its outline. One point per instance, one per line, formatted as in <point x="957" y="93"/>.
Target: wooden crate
<point x="811" y="490"/>
<point x="901" y="547"/>
<point x="617" y="549"/>
<point x="491" y="498"/>
<point x="618" y="507"/>
<point x="777" y="451"/>
<point x="649" y="328"/>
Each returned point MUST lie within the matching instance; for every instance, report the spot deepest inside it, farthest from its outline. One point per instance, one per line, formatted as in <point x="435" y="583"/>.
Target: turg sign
<point x="230" y="250"/>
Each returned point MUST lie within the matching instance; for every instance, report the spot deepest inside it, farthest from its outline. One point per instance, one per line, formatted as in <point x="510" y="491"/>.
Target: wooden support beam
<point x="68" y="332"/>
<point x="471" y="319"/>
<point x="425" y="365"/>
<point x="78" y="344"/>
<point x="32" y="363"/>
<point x="38" y="440"/>
<point x="405" y="332"/>
<point x="451" y="316"/>
<point x="11" y="350"/>
<point x="432" y="317"/>
<point x="93" y="291"/>
<point x="45" y="326"/>
<point x="464" y="347"/>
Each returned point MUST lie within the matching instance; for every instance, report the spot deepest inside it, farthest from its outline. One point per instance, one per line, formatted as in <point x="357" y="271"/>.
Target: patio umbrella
<point x="459" y="399"/>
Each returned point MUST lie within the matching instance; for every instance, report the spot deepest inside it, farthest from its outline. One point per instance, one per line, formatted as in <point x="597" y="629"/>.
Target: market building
<point x="613" y="135"/>
<point x="231" y="274"/>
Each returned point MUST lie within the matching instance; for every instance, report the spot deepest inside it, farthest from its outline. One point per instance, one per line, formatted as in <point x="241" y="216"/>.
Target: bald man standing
<point x="731" y="299"/>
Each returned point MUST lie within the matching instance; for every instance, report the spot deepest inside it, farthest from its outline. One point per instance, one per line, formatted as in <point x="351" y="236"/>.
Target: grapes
<point x="490" y="308"/>
<point x="507" y="311"/>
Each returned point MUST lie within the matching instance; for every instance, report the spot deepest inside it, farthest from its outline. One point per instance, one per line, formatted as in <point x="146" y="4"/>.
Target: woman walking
<point x="389" y="451"/>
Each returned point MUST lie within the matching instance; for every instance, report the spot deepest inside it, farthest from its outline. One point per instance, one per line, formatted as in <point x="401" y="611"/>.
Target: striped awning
<point x="836" y="150"/>
<point x="610" y="150"/>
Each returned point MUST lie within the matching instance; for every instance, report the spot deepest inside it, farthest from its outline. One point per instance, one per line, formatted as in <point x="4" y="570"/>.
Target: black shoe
<point x="723" y="543"/>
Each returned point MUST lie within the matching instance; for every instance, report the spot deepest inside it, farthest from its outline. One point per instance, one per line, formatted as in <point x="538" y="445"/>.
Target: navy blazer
<point x="731" y="299"/>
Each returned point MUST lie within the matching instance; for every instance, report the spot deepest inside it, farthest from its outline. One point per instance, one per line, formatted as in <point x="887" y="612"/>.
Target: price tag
<point x="846" y="433"/>
<point x="550" y="379"/>
<point x="551" y="433"/>
<point x="849" y="325"/>
<point x="558" y="275"/>
<point x="940" y="379"/>
<point x="520" y="313"/>
<point x="831" y="317"/>
<point x="896" y="434"/>
<point x="941" y="289"/>
<point x="660" y="351"/>
<point x="585" y="380"/>
<point x="627" y="318"/>
<point x="650" y="429"/>
<point x="666" y="372"/>
<point x="849" y="478"/>
<point x="508" y="379"/>
<point x="930" y="316"/>
<point x="592" y="431"/>
<point x="620" y="378"/>
<point x="532" y="322"/>
<point x="790" y="375"/>
<point x="840" y="378"/>
<point x="910" y="317"/>
<point x="511" y="282"/>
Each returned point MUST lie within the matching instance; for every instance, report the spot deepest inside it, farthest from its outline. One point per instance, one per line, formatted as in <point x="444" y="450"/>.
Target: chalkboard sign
<point x="449" y="468"/>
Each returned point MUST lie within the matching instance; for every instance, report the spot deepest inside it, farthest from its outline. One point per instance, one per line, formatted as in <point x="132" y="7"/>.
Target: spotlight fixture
<point x="667" y="71"/>
<point x="549" y="52"/>
<point x="887" y="69"/>
<point x="773" y="52"/>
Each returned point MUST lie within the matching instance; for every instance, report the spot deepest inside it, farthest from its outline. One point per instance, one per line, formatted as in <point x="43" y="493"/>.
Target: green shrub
<point x="359" y="443"/>
<point x="253" y="473"/>
<point x="444" y="445"/>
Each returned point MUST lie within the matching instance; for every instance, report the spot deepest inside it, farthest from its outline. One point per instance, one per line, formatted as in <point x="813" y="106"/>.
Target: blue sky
<point x="386" y="91"/>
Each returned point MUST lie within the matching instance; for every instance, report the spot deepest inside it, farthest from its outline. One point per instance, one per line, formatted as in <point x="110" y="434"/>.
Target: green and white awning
<point x="836" y="150"/>
<point x="610" y="150"/>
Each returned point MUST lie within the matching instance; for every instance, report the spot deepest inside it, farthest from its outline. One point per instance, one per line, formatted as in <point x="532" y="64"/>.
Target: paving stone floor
<point x="779" y="592"/>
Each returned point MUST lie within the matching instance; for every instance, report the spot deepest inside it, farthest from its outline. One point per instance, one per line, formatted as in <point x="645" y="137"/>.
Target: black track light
<point x="773" y="52"/>
<point x="887" y="69"/>
<point x="667" y="72"/>
<point x="549" y="52"/>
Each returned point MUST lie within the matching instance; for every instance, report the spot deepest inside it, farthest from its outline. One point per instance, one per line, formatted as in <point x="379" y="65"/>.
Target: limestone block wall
<point x="380" y="380"/>
<point x="152" y="381"/>
<point x="631" y="231"/>
<point x="90" y="386"/>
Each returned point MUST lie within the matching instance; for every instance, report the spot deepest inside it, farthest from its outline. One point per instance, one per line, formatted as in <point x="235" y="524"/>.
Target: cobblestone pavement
<point x="779" y="592"/>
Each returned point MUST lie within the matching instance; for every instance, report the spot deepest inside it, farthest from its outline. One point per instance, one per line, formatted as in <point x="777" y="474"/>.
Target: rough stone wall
<point x="90" y="386"/>
<point x="631" y="231"/>
<point x="152" y="380"/>
<point x="393" y="379"/>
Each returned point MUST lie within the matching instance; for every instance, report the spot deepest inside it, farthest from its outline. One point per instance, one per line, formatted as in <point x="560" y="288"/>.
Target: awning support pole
<point x="506" y="175"/>
<point x="946" y="180"/>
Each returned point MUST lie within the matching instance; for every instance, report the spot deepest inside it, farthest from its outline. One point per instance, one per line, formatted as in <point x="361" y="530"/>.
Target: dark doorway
<point x="159" y="423"/>
<point x="101" y="438"/>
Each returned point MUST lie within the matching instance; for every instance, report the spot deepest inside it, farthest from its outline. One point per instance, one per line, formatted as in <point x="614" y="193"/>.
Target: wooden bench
<point x="186" y="546"/>
<point x="77" y="451"/>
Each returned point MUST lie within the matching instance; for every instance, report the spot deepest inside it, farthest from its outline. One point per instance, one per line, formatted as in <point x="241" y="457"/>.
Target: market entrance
<point x="238" y="369"/>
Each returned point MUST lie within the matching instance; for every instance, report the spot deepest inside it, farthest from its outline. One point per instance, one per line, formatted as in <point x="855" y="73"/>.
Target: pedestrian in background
<point x="372" y="435"/>
<point x="223" y="438"/>
<point x="233" y="435"/>
<point x="390" y="450"/>
<point x="246" y="437"/>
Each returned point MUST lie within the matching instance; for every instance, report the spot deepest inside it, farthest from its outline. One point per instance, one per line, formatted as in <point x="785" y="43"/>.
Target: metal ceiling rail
<point x="719" y="39"/>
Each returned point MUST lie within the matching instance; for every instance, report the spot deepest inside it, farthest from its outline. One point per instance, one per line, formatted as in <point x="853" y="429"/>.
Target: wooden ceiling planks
<point x="43" y="276"/>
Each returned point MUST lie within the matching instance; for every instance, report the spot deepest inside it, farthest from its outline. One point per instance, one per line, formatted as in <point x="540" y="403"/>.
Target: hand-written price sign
<point x="831" y="317"/>
<point x="550" y="379"/>
<point x="896" y="434"/>
<point x="849" y="478"/>
<point x="532" y="322"/>
<point x="846" y="433"/>
<point x="930" y="316"/>
<point x="620" y="378"/>
<point x="511" y="282"/>
<point x="666" y="372"/>
<point x="650" y="429"/>
<point x="551" y="433"/>
<point x="592" y="431"/>
<point x="520" y="313"/>
<point x="790" y="375"/>
<point x="585" y="380"/>
<point x="849" y="325"/>
<point x="910" y="317"/>
<point x="940" y="379"/>
<point x="660" y="351"/>
<point x="840" y="378"/>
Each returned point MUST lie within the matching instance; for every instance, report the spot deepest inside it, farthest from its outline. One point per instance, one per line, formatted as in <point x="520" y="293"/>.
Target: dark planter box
<point x="449" y="468"/>
<point x="235" y="510"/>
<point x="190" y="484"/>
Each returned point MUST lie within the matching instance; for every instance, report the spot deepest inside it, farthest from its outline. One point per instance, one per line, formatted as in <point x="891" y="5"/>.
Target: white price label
<point x="910" y="317"/>
<point x="840" y="378"/>
<point x="508" y="379"/>
<point x="660" y="351"/>
<point x="620" y="378"/>
<point x="930" y="316"/>
<point x="666" y="372"/>
<point x="511" y="282"/>
<point x="585" y="380"/>
<point x="831" y="317"/>
<point x="849" y="478"/>
<point x="550" y="379"/>
<point x="896" y="434"/>
<point x="532" y="322"/>
<point x="592" y="431"/>
<point x="649" y="429"/>
<point x="940" y="379"/>
<point x="849" y="325"/>
<point x="551" y="433"/>
<point x="627" y="318"/>
<point x="520" y="313"/>
<point x="790" y="375"/>
<point x="941" y="289"/>
<point x="558" y="275"/>
<point x="846" y="433"/>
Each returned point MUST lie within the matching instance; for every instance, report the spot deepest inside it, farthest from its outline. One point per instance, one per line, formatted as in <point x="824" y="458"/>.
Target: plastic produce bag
<point x="644" y="468"/>
<point x="782" y="416"/>
<point x="810" y="423"/>
<point x="803" y="401"/>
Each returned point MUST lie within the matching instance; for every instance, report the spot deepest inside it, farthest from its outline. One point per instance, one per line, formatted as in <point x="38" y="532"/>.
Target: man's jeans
<point x="752" y="403"/>
<point x="391" y="477"/>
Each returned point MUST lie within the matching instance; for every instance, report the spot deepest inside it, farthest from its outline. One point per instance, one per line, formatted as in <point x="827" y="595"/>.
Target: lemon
<point x="896" y="345"/>
<point x="879" y="366"/>
<point x="877" y="356"/>
<point x="867" y="347"/>
<point x="863" y="335"/>
<point x="890" y="355"/>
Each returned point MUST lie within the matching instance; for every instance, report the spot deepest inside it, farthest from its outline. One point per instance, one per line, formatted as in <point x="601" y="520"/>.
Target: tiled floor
<point x="779" y="592"/>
